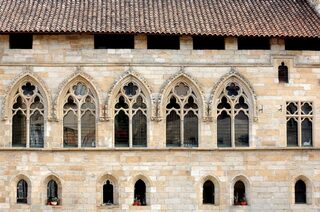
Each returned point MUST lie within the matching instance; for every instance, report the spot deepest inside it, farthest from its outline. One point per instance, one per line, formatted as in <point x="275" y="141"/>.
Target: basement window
<point x="114" y="41"/>
<point x="208" y="42"/>
<point x="20" y="41"/>
<point x="308" y="44"/>
<point x="163" y="42"/>
<point x="247" y="43"/>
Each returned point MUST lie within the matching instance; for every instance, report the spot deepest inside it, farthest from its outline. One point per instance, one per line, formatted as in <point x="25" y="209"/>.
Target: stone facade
<point x="174" y="176"/>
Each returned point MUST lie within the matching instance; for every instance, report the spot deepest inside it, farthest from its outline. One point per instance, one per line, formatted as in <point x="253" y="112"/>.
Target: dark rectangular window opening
<point x="20" y="41"/>
<point x="308" y="44"/>
<point x="208" y="42"/>
<point x="112" y="41"/>
<point x="259" y="43"/>
<point x="163" y="42"/>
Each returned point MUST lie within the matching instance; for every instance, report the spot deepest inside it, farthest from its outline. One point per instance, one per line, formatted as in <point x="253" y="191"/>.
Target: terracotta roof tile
<point x="292" y="18"/>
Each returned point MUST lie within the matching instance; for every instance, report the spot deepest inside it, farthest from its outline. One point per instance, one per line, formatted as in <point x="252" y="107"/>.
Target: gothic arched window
<point x="208" y="192"/>
<point x="233" y="117"/>
<point x="108" y="193"/>
<point x="130" y="117"/>
<point x="182" y="117"/>
<point x="79" y="121"/>
<point x="239" y="193"/>
<point x="300" y="192"/>
<point x="52" y="192"/>
<point x="140" y="193"/>
<point x="22" y="192"/>
<point x="28" y="117"/>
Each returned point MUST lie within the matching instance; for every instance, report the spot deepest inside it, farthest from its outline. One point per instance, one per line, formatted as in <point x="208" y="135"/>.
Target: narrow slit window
<point x="52" y="193"/>
<point x="20" y="41"/>
<point x="208" y="42"/>
<point x="240" y="193"/>
<point x="208" y="192"/>
<point x="251" y="43"/>
<point x="283" y="73"/>
<point x="163" y="42"/>
<point x="22" y="192"/>
<point x="114" y="41"/>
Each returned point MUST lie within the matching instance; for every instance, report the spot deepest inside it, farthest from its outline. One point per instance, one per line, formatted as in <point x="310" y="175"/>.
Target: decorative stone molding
<point x="129" y="75"/>
<point x="182" y="76"/>
<point x="81" y="76"/>
<point x="216" y="90"/>
<point x="26" y="75"/>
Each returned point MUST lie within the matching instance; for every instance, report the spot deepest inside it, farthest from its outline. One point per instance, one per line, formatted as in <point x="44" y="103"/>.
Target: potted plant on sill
<point x="53" y="201"/>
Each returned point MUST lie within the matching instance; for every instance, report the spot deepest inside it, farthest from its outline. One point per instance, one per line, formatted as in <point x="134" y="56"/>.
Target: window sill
<point x="112" y="206"/>
<point x="208" y="206"/>
<point x="135" y="207"/>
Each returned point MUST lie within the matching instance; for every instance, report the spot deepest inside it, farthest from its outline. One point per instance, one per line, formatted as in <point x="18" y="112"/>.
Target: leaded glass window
<point x="233" y="114"/>
<point x="182" y="113"/>
<point x="299" y="123"/>
<point x="28" y="117"/>
<point x="79" y="121"/>
<point x="130" y="118"/>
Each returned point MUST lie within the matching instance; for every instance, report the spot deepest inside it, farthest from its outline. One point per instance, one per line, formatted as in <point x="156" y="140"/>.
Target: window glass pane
<point x="139" y="129"/>
<point x="108" y="193"/>
<point x="140" y="193"/>
<point x="306" y="127"/>
<point x="22" y="192"/>
<point x="173" y="129"/>
<point x="19" y="134"/>
<point x="190" y="129"/>
<point x="208" y="192"/>
<point x="70" y="130"/>
<point x="300" y="192"/>
<point x="241" y="128"/>
<point x="36" y="129"/>
<point x="88" y="130"/>
<point x="224" y="130"/>
<point x="121" y="130"/>
<point x="292" y="132"/>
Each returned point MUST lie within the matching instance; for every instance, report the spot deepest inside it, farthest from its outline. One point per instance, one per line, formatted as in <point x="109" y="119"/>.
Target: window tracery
<point x="130" y="117"/>
<point x="79" y="121"/>
<point x="28" y="117"/>
<point x="182" y="113"/>
<point x="299" y="123"/>
<point x="233" y="114"/>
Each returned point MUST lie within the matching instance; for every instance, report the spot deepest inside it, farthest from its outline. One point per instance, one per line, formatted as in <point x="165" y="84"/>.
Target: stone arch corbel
<point x="126" y="77"/>
<point x="233" y="75"/>
<point x="99" y="188"/>
<point x="78" y="76"/>
<point x="27" y="75"/>
<point x="180" y="76"/>
<point x="44" y="185"/>
<point x="13" y="185"/>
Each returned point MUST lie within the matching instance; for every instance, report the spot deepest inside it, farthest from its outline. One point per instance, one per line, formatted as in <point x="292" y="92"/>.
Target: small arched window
<point x="108" y="193"/>
<point x="233" y="117"/>
<point x="300" y="192"/>
<point x="22" y="192"/>
<point x="182" y="117"/>
<point x="28" y="117"/>
<point x="130" y="117"/>
<point x="283" y="73"/>
<point x="52" y="192"/>
<point x="240" y="193"/>
<point x="79" y="121"/>
<point x="140" y="193"/>
<point x="208" y="192"/>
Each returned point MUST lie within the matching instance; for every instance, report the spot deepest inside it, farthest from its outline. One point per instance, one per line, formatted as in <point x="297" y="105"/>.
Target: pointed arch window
<point x="182" y="113"/>
<point x="300" y="192"/>
<point x="130" y="117"/>
<point x="52" y="192"/>
<point x="79" y="121"/>
<point x="208" y="192"/>
<point x="108" y="193"/>
<point x="22" y="192"/>
<point x="28" y="117"/>
<point x="240" y="193"/>
<point x="140" y="193"/>
<point x="233" y="117"/>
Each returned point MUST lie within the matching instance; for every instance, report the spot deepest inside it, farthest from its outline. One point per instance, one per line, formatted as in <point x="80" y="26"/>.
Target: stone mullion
<point x="28" y="125"/>
<point x="181" y="126"/>
<point x="299" y="124"/>
<point x="130" y="125"/>
<point x="232" y="125"/>
<point x="79" y="124"/>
